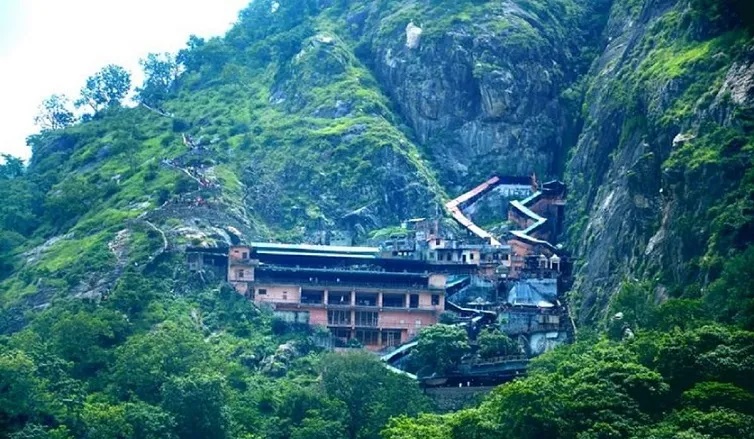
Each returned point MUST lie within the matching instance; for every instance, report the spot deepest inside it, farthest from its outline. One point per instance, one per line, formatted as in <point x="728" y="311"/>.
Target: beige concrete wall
<point x="318" y="316"/>
<point x="412" y="321"/>
<point x="437" y="280"/>
<point x="425" y="301"/>
<point x="237" y="251"/>
<point x="472" y="256"/>
<point x="243" y="273"/>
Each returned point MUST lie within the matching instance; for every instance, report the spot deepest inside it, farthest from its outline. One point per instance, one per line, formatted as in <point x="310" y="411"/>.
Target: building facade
<point x="351" y="292"/>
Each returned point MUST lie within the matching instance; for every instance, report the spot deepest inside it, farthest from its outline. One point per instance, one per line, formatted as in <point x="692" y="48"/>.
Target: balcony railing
<point x="346" y="283"/>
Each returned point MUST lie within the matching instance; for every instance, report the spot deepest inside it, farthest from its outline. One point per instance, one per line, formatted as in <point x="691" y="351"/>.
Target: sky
<point x="52" y="46"/>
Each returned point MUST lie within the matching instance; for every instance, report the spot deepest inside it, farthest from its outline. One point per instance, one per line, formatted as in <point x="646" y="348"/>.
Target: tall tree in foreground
<point x="161" y="71"/>
<point x="106" y="88"/>
<point x="441" y="347"/>
<point x="369" y="392"/>
<point x="54" y="113"/>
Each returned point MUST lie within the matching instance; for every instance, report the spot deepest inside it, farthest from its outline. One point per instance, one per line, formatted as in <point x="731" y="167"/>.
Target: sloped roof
<point x="542" y="293"/>
<point x="320" y="250"/>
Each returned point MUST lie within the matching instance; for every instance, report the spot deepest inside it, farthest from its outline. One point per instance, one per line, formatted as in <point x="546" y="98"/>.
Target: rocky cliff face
<point x="663" y="152"/>
<point x="656" y="131"/>
<point x="486" y="90"/>
<point x="319" y="115"/>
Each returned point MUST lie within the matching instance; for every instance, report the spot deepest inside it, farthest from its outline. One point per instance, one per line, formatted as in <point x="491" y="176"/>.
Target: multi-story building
<point x="351" y="290"/>
<point x="539" y="221"/>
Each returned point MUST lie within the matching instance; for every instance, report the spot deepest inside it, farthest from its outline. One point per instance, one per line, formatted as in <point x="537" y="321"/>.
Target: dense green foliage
<point x="441" y="347"/>
<point x="204" y="366"/>
<point x="105" y="89"/>
<point x="106" y="335"/>
<point x="693" y="384"/>
<point x="493" y="343"/>
<point x="686" y="144"/>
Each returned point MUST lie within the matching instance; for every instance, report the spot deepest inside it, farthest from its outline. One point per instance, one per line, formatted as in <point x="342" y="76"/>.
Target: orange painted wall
<point x="288" y="294"/>
<point x="317" y="316"/>
<point x="412" y="321"/>
<point x="237" y="251"/>
<point x="425" y="301"/>
<point x="241" y="273"/>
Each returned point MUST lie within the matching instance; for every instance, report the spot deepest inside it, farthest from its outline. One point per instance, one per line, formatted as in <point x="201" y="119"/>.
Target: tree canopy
<point x="161" y="72"/>
<point x="441" y="347"/>
<point x="54" y="113"/>
<point x="658" y="385"/>
<point x="105" y="89"/>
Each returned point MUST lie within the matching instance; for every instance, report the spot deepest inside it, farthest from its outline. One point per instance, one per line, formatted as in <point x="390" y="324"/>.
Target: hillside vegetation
<point x="313" y="115"/>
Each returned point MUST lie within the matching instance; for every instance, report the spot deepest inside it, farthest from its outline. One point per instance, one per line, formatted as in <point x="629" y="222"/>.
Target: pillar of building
<point x="326" y="297"/>
<point x="379" y="299"/>
<point x="407" y="300"/>
<point x="353" y="297"/>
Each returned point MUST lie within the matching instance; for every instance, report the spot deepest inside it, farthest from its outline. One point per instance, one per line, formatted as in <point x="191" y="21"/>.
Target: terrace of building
<point x="351" y="277"/>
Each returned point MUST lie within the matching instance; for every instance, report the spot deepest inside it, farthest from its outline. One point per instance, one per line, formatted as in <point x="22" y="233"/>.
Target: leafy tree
<point x="316" y="427"/>
<point x="304" y="411"/>
<point x="190" y="56"/>
<point x="197" y="402"/>
<point x="731" y="297"/>
<point x="146" y="361"/>
<point x="679" y="313"/>
<point x="426" y="426"/>
<point x="718" y="423"/>
<point x="106" y="88"/>
<point x="21" y="391"/>
<point x="149" y="421"/>
<point x="441" y="347"/>
<point x="106" y="421"/>
<point x="634" y="302"/>
<point x="709" y="353"/>
<point x="692" y="384"/>
<point x="493" y="343"/>
<point x="21" y="208"/>
<point x="709" y="394"/>
<point x="132" y="294"/>
<point x="8" y="242"/>
<point x="160" y="75"/>
<point x="54" y="113"/>
<point x="368" y="392"/>
<point x="11" y="167"/>
<point x="36" y="431"/>
<point x="84" y="338"/>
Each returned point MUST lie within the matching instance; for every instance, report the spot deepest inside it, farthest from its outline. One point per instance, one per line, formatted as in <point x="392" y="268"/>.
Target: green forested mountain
<point x="314" y="115"/>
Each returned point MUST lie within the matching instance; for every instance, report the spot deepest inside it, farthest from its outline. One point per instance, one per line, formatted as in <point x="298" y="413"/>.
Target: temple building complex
<point x="383" y="295"/>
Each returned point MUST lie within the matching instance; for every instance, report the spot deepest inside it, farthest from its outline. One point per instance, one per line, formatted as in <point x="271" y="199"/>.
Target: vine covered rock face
<point x="316" y="115"/>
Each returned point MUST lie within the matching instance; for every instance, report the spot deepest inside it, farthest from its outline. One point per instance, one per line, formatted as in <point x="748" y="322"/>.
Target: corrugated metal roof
<point x="322" y="255"/>
<point x="542" y="293"/>
<point x="309" y="248"/>
<point x="277" y="268"/>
